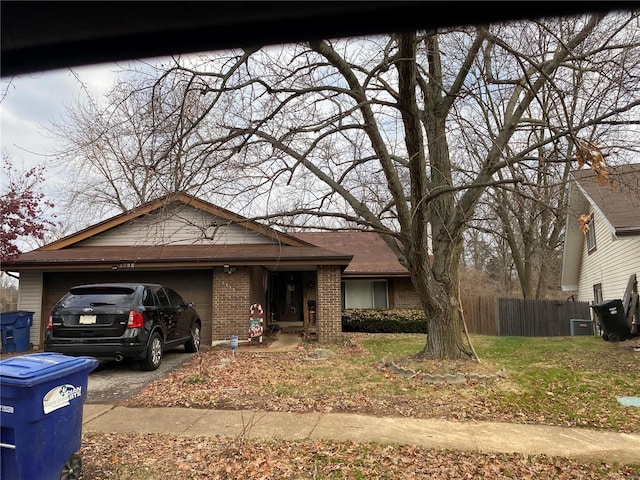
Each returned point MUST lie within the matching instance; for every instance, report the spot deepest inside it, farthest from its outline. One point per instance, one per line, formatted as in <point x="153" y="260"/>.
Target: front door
<point x="286" y="298"/>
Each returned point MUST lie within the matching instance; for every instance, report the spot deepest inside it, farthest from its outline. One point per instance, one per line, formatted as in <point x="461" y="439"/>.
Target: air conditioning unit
<point x="580" y="327"/>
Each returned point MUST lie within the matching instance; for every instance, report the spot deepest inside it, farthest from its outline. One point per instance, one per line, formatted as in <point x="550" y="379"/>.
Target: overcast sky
<point x="31" y="102"/>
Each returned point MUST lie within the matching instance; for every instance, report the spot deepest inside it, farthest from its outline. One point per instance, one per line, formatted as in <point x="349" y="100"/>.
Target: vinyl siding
<point x="30" y="300"/>
<point x="180" y="225"/>
<point x="611" y="264"/>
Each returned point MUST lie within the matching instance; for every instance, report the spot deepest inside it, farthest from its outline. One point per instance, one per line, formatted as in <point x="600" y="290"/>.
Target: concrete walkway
<point x="581" y="444"/>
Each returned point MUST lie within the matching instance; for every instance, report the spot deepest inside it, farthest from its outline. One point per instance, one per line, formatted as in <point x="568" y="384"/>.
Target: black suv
<point x="122" y="321"/>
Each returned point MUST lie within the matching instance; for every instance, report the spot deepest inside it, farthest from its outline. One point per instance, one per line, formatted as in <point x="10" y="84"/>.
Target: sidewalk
<point x="486" y="437"/>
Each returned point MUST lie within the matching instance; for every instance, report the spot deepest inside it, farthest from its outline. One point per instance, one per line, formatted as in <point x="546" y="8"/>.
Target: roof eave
<point x="114" y="263"/>
<point x="627" y="231"/>
<point x="348" y="274"/>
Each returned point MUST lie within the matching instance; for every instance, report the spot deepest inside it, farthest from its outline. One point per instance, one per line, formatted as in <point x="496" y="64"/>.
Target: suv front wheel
<point x="154" y="352"/>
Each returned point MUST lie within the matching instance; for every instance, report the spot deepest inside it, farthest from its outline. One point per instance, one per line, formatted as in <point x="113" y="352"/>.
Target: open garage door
<point x="193" y="285"/>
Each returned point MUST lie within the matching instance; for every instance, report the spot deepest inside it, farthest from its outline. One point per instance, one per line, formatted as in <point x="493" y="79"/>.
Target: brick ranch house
<point x="222" y="262"/>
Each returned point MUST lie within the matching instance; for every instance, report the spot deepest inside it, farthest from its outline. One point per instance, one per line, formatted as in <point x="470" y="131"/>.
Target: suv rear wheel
<point x="154" y="352"/>
<point x="193" y="344"/>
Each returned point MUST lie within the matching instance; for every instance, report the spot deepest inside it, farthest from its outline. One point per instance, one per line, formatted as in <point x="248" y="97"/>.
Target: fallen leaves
<point x="284" y="381"/>
<point x="230" y="459"/>
<point x="347" y="382"/>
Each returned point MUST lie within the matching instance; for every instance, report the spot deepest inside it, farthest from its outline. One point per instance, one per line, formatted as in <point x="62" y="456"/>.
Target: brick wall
<point x="230" y="305"/>
<point x="402" y="294"/>
<point x="329" y="311"/>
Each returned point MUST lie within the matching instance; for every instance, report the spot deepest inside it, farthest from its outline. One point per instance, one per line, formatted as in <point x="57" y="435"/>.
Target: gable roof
<point x="619" y="206"/>
<point x="69" y="252"/>
<point x="163" y="202"/>
<point x="372" y="257"/>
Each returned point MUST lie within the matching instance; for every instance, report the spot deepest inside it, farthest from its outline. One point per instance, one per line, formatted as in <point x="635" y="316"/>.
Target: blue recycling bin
<point x="15" y="330"/>
<point x="42" y="396"/>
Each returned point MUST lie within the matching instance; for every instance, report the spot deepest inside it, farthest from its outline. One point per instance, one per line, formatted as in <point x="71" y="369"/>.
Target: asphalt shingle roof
<point x="371" y="255"/>
<point x="363" y="253"/>
<point x="619" y="201"/>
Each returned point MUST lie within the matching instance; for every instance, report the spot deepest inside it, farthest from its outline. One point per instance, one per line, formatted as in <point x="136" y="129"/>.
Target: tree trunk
<point x="440" y="302"/>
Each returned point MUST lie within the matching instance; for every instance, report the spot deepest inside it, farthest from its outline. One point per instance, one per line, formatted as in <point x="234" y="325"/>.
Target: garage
<point x="193" y="285"/>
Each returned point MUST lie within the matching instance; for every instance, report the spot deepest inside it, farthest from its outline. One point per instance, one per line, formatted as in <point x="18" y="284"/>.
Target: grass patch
<point x="553" y="380"/>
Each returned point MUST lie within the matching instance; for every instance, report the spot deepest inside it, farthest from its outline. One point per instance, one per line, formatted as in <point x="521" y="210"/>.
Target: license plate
<point x="87" y="319"/>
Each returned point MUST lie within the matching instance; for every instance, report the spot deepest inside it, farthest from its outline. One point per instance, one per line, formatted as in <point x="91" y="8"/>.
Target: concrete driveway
<point x="111" y="382"/>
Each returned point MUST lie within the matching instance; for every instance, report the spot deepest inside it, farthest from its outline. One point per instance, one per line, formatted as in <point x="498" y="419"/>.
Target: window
<point x="591" y="235"/>
<point x="92" y="296"/>
<point x="174" y="298"/>
<point x="364" y="294"/>
<point x="162" y="297"/>
<point x="597" y="293"/>
<point x="147" y="298"/>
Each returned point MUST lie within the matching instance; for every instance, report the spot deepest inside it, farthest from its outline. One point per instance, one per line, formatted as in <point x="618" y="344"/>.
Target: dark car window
<point x="162" y="297"/>
<point x="175" y="299"/>
<point x="148" y="299"/>
<point x="83" y="297"/>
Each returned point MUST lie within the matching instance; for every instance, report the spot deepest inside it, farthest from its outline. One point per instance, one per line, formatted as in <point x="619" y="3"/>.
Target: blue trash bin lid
<point x="8" y="318"/>
<point x="37" y="368"/>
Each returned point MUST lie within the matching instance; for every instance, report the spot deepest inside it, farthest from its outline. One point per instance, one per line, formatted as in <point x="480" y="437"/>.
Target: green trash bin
<point x="16" y="328"/>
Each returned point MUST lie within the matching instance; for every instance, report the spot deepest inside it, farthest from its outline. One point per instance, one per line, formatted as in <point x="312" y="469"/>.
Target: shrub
<point x="384" y="321"/>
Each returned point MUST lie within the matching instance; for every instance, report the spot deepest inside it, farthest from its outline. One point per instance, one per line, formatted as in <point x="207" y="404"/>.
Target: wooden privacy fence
<point x="522" y="318"/>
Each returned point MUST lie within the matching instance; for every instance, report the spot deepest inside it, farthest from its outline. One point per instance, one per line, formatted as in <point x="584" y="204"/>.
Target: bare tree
<point x="137" y="148"/>
<point x="8" y="292"/>
<point x="529" y="216"/>
<point x="487" y="254"/>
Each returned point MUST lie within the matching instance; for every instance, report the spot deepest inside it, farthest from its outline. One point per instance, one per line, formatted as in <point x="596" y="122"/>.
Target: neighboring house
<point x="223" y="263"/>
<point x="599" y="264"/>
